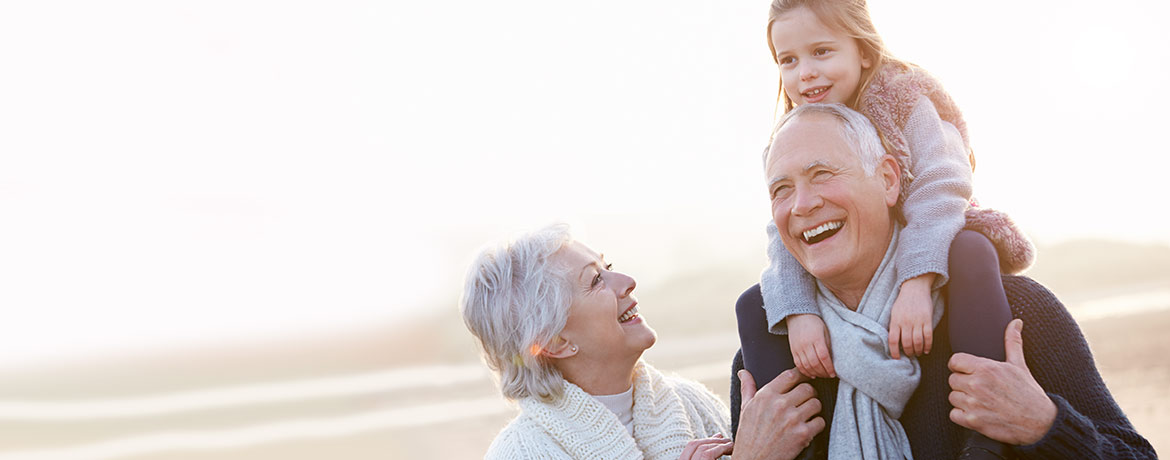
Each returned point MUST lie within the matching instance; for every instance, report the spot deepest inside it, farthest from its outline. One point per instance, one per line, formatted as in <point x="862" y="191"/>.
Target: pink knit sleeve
<point x="937" y="197"/>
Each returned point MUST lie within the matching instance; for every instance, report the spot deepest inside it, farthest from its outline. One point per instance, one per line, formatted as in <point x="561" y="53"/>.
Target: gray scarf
<point x="874" y="388"/>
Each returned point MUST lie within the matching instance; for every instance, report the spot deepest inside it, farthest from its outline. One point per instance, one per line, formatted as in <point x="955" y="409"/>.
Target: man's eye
<point x="822" y="174"/>
<point x="781" y="191"/>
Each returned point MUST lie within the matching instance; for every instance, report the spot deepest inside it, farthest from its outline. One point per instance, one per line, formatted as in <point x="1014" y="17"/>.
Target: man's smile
<point x="821" y="232"/>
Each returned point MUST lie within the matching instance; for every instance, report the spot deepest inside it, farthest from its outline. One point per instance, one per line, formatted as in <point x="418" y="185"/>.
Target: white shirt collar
<point x="622" y="405"/>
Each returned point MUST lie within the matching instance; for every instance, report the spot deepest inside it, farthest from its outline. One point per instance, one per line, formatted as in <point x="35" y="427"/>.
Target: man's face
<point x="832" y="216"/>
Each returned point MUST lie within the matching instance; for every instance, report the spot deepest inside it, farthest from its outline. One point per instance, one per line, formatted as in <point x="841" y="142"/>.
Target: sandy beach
<point x="417" y="389"/>
<point x="436" y="411"/>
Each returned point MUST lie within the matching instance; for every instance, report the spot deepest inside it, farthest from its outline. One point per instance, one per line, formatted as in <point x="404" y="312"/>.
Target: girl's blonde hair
<point x="850" y="17"/>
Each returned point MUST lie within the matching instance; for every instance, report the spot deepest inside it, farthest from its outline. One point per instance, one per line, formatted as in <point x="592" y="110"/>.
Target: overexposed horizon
<point x="185" y="174"/>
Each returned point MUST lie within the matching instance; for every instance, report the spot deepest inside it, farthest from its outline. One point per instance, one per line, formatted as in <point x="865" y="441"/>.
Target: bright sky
<point x="178" y="173"/>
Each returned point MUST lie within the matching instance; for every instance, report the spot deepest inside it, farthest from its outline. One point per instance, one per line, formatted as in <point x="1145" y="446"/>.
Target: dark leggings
<point x="765" y="354"/>
<point x="977" y="307"/>
<point x="977" y="312"/>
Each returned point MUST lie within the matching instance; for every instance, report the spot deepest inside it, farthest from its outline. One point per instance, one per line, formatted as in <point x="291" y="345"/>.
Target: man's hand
<point x="910" y="317"/>
<point x="1000" y="400"/>
<point x="809" y="340"/>
<point x="706" y="448"/>
<point x="779" y="420"/>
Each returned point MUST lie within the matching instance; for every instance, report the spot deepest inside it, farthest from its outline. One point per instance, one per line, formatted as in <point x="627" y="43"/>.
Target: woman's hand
<point x="707" y="448"/>
<point x="809" y="339"/>
<point x="910" y="318"/>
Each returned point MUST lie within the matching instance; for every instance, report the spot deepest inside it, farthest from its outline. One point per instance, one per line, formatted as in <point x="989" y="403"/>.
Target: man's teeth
<point x="628" y="315"/>
<point x="810" y="234"/>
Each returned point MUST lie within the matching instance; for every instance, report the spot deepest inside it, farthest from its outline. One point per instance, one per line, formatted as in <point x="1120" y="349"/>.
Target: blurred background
<point x="238" y="229"/>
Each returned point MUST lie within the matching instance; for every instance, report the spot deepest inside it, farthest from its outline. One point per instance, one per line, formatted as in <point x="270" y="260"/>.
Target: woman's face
<point x="603" y="319"/>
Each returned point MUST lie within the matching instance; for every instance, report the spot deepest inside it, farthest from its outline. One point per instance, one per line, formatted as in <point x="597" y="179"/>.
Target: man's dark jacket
<point x="1088" y="425"/>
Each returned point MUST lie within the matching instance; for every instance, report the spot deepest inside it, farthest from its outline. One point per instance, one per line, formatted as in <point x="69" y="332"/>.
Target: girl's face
<point x="817" y="64"/>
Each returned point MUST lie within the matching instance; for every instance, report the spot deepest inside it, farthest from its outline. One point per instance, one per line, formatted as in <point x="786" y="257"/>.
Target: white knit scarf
<point x="665" y="419"/>
<point x="874" y="388"/>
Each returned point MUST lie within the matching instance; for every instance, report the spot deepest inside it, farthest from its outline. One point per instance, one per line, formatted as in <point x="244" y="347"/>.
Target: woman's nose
<point x="623" y="284"/>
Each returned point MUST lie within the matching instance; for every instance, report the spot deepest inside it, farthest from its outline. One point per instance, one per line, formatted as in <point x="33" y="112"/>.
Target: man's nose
<point x="805" y="201"/>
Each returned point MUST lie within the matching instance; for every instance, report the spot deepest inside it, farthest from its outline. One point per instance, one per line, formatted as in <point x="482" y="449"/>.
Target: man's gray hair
<point x="516" y="301"/>
<point x="857" y="130"/>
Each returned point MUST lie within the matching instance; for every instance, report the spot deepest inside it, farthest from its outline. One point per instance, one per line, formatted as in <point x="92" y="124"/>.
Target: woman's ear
<point x="891" y="175"/>
<point x="559" y="349"/>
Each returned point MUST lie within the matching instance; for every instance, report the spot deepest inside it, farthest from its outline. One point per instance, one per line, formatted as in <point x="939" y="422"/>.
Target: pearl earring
<point x="573" y="348"/>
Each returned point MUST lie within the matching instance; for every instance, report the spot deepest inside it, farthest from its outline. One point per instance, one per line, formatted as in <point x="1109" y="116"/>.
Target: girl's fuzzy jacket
<point x="888" y="101"/>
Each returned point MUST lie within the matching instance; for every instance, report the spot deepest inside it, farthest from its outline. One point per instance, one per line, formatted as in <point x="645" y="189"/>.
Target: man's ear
<point x="891" y="175"/>
<point x="559" y="349"/>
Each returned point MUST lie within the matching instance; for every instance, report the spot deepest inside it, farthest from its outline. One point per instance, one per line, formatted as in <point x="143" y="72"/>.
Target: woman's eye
<point x="597" y="279"/>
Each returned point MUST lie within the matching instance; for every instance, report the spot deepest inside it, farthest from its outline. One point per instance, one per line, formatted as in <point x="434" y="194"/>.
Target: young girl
<point x="828" y="51"/>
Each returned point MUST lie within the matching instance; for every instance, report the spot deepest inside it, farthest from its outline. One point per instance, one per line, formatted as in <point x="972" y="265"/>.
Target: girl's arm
<point x="786" y="287"/>
<point x="788" y="292"/>
<point x="937" y="197"/>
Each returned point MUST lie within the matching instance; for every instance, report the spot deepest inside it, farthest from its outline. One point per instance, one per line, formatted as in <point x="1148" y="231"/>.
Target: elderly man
<point x="1047" y="400"/>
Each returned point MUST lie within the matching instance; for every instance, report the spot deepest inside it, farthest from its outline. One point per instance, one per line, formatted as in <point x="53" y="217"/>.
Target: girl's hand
<point x="809" y="339"/>
<point x="706" y="448"/>
<point x="910" y="319"/>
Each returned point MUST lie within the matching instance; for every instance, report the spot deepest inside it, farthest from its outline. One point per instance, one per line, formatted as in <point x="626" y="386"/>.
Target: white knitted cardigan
<point x="668" y="412"/>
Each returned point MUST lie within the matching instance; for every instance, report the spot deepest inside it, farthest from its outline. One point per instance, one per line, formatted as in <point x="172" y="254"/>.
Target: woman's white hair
<point x="857" y="130"/>
<point x="516" y="301"/>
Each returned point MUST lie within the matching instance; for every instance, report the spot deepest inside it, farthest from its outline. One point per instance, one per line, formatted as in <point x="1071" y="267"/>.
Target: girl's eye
<point x="787" y="60"/>
<point x="820" y="51"/>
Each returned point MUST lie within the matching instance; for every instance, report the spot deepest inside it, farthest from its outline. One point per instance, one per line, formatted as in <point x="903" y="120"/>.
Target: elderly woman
<point x="562" y="333"/>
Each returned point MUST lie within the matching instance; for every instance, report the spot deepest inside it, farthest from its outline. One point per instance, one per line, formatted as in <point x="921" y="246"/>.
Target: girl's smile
<point x="816" y="94"/>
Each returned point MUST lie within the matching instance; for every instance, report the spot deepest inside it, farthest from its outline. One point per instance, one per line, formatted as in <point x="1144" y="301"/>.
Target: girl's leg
<point x="765" y="354"/>
<point x="977" y="307"/>
<point x="977" y="314"/>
